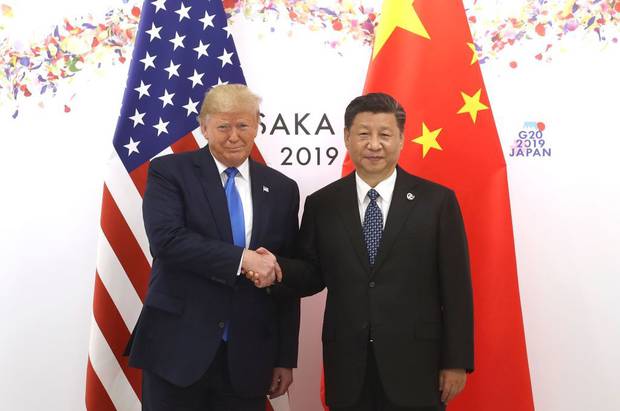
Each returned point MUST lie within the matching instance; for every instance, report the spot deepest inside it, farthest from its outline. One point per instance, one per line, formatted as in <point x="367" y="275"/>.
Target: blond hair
<point x="228" y="98"/>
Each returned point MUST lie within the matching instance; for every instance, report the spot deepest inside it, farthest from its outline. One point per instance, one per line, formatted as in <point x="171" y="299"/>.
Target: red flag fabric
<point x="424" y="56"/>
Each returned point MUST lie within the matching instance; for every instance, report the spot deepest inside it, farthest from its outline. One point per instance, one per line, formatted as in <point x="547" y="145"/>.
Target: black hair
<point x="375" y="103"/>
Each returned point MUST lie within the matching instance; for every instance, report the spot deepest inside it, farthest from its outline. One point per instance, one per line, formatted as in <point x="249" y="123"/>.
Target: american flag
<point x="182" y="49"/>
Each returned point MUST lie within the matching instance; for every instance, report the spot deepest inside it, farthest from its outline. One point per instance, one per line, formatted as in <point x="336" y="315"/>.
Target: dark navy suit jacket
<point x="194" y="287"/>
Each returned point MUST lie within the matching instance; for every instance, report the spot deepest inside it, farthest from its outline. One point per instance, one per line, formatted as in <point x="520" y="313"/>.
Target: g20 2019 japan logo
<point x="531" y="141"/>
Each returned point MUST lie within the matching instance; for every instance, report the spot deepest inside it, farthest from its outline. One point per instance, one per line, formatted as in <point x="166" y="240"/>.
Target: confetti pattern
<point x="42" y="67"/>
<point x="544" y="24"/>
<point x="341" y="21"/>
<point x="32" y="73"/>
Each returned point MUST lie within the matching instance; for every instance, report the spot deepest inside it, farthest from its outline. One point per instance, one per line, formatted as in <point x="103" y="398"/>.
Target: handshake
<point x="261" y="267"/>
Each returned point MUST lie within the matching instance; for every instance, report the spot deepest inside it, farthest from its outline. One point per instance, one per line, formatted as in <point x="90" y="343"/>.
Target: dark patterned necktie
<point x="373" y="226"/>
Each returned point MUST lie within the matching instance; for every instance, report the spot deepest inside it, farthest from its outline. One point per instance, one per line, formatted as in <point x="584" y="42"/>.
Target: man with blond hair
<point x="207" y="339"/>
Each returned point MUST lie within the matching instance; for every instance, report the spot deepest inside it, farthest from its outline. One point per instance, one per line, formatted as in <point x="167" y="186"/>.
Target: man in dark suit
<point x="207" y="339"/>
<point x="391" y="250"/>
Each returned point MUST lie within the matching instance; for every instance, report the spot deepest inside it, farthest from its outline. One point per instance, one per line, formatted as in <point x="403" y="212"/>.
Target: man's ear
<point x="347" y="137"/>
<point x="203" y="127"/>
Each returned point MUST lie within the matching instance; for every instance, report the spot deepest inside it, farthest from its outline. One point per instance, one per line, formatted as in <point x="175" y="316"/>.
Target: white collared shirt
<point x="244" y="187"/>
<point x="385" y="189"/>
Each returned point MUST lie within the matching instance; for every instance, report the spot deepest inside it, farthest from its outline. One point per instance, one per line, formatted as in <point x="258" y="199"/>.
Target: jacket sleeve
<point x="287" y="302"/>
<point x="456" y="290"/>
<point x="171" y="241"/>
<point x="302" y="273"/>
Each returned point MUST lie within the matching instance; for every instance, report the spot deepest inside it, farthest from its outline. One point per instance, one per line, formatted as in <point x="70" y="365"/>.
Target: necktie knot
<point x="373" y="194"/>
<point x="231" y="172"/>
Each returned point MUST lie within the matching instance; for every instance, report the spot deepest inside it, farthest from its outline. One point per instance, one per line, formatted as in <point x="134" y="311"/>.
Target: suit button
<point x="371" y="284"/>
<point x="221" y="324"/>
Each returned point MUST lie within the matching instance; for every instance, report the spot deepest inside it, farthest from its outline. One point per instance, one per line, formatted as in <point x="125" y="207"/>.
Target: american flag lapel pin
<point x="410" y="196"/>
<point x="265" y="189"/>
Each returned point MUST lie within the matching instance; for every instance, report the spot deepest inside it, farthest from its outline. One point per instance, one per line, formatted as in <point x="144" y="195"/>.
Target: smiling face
<point x="230" y="135"/>
<point x="374" y="143"/>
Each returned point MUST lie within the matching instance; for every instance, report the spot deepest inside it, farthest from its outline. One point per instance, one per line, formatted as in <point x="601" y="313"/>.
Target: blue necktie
<point x="235" y="208"/>
<point x="237" y="221"/>
<point x="373" y="226"/>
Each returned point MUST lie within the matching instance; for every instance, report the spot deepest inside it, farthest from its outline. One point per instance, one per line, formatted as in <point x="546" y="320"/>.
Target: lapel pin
<point x="265" y="189"/>
<point x="410" y="196"/>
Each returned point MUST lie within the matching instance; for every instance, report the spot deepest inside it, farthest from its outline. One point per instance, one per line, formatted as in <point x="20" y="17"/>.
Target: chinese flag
<point x="424" y="56"/>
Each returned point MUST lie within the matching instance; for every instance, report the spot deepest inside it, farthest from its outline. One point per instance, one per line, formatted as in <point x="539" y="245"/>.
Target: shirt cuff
<point x="240" y="263"/>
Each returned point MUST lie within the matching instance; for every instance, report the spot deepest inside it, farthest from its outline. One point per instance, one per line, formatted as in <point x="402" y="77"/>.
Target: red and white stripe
<point x="121" y="279"/>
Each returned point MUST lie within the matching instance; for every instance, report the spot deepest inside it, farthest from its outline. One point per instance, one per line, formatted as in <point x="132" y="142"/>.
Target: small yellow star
<point x="428" y="140"/>
<point x="397" y="13"/>
<point x="472" y="105"/>
<point x="474" y="57"/>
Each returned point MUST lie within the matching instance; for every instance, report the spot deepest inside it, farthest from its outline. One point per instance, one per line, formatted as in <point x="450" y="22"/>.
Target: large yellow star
<point x="472" y="105"/>
<point x="474" y="57"/>
<point x="428" y="140"/>
<point x="397" y="13"/>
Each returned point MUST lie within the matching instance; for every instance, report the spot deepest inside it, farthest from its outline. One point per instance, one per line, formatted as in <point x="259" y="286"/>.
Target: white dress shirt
<point x="385" y="189"/>
<point x="244" y="187"/>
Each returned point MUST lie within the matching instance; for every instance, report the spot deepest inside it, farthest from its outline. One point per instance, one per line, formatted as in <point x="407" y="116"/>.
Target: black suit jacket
<point x="415" y="303"/>
<point x="194" y="288"/>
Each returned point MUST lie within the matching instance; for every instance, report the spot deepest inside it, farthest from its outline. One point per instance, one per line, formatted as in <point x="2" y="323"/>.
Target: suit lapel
<point x="350" y="214"/>
<point x="211" y="182"/>
<point x="403" y="201"/>
<point x="260" y="200"/>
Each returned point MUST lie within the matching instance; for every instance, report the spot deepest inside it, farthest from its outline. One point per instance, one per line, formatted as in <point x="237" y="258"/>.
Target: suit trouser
<point x="373" y="397"/>
<point x="213" y="392"/>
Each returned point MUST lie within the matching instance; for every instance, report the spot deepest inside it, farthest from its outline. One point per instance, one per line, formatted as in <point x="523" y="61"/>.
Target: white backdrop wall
<point x="567" y="228"/>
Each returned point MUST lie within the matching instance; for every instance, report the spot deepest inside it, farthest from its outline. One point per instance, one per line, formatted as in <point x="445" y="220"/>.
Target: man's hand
<point x="282" y="378"/>
<point x="259" y="268"/>
<point x="256" y="278"/>
<point x="278" y="269"/>
<point x="451" y="383"/>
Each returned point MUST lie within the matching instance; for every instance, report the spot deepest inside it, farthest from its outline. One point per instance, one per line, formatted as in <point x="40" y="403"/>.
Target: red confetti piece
<point x="539" y="56"/>
<point x="67" y="108"/>
<point x="513" y="64"/>
<point x="122" y="59"/>
<point x="135" y="11"/>
<point x="25" y="90"/>
<point x="337" y="25"/>
<point x="541" y="126"/>
<point x="472" y="19"/>
<point x="540" y="29"/>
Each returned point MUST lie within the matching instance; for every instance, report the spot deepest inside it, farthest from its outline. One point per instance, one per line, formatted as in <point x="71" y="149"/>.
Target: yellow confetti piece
<point x="7" y="11"/>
